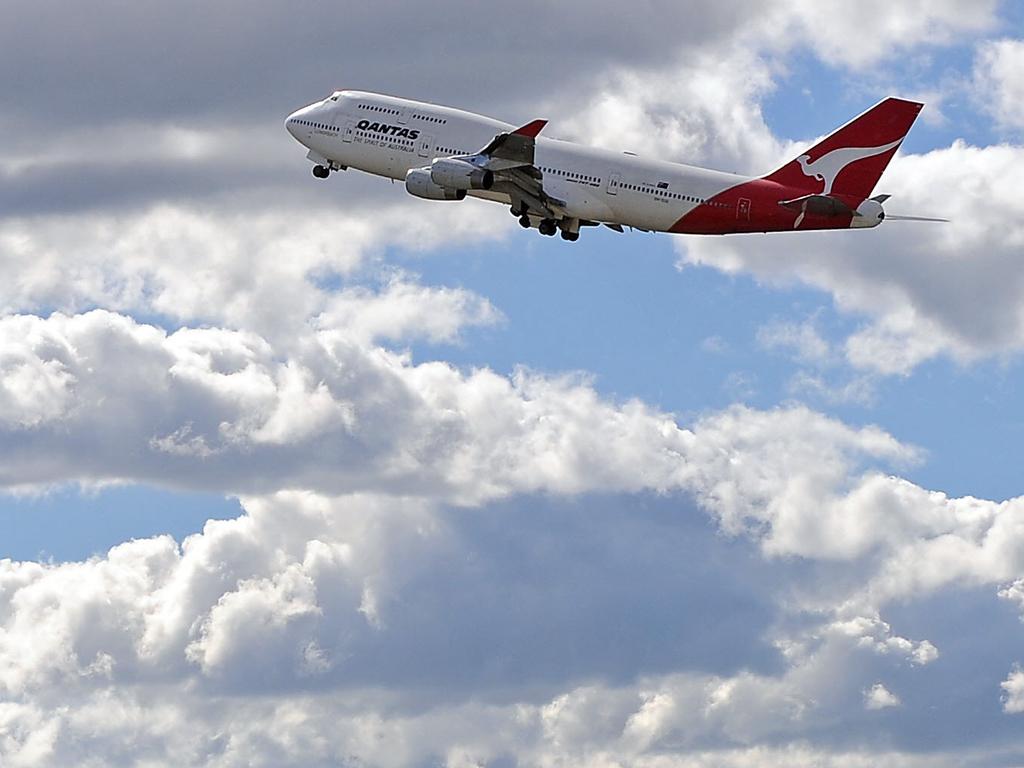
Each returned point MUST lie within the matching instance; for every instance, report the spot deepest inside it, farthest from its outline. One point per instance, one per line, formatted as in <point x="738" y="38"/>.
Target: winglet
<point x="531" y="129"/>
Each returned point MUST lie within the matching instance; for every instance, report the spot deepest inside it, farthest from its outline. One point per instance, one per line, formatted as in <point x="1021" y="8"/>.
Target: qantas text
<point x="388" y="130"/>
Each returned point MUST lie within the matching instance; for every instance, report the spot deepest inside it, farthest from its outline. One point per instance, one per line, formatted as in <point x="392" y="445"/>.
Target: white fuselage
<point x="389" y="136"/>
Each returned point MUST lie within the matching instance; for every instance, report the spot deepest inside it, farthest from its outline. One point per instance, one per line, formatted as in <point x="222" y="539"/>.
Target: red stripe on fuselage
<point x="753" y="206"/>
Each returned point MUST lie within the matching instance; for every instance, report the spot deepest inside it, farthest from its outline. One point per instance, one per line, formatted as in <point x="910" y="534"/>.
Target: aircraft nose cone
<point x="292" y="125"/>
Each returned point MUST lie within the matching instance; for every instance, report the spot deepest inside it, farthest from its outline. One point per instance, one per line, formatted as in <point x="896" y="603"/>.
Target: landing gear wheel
<point x="524" y="221"/>
<point x="548" y="227"/>
<point x="572" y="237"/>
<point x="321" y="172"/>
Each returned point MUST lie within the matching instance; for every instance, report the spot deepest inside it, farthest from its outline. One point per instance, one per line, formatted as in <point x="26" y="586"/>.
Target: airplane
<point x="443" y="153"/>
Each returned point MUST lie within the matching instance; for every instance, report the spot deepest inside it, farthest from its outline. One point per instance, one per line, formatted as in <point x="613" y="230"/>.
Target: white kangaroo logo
<point x="828" y="167"/>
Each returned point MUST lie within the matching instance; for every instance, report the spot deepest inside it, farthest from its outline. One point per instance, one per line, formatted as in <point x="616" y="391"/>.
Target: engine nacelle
<point x="418" y="183"/>
<point x="869" y="214"/>
<point x="458" y="174"/>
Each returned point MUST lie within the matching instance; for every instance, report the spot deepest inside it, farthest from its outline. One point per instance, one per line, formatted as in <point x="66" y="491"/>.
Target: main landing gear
<point x="523" y="214"/>
<point x="321" y="171"/>
<point x="569" y="227"/>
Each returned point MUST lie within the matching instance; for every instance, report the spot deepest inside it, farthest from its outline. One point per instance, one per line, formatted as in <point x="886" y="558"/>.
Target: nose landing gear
<point x="321" y="171"/>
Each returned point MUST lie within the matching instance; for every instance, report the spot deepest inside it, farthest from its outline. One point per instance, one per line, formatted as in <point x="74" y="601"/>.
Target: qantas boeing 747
<point x="558" y="186"/>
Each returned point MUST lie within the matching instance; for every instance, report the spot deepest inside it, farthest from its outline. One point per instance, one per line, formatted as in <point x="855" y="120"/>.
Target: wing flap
<point x="510" y="156"/>
<point x="523" y="184"/>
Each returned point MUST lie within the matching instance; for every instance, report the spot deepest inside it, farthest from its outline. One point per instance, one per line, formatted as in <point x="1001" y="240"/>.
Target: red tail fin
<point x="851" y="160"/>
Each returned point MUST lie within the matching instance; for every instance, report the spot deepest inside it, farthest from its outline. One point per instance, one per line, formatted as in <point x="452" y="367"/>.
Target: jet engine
<point x="869" y="214"/>
<point x="418" y="183"/>
<point x="458" y="174"/>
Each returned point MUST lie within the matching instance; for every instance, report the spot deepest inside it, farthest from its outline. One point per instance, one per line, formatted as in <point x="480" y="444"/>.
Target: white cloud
<point x="1013" y="691"/>
<point x="204" y="143"/>
<point x="715" y="345"/>
<point x="203" y="407"/>
<point x="897" y="343"/>
<point x="905" y="26"/>
<point x="740" y="386"/>
<point x="792" y="479"/>
<point x="246" y="597"/>
<point x="265" y="618"/>
<point x="264" y="270"/>
<point x="704" y="104"/>
<point x="880" y="697"/>
<point x="857" y="389"/>
<point x="679" y="713"/>
<point x="122" y="727"/>
<point x="306" y="579"/>
<point x="405" y="310"/>
<point x="816" y="378"/>
<point x="873" y="633"/>
<point x="314" y="600"/>
<point x="705" y="108"/>
<point x="970" y="542"/>
<point x="255" y="628"/>
<point x="218" y="409"/>
<point x="27" y="735"/>
<point x="1014" y="592"/>
<point x="998" y="86"/>
<point x="31" y="390"/>
<point x="802" y="339"/>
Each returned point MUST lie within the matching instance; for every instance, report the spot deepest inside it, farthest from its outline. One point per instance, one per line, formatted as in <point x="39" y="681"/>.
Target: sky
<point x="303" y="473"/>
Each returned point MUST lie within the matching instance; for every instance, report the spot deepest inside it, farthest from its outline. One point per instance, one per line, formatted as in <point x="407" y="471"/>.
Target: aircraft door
<point x="348" y="131"/>
<point x="613" y="183"/>
<point x="743" y="209"/>
<point x="425" y="146"/>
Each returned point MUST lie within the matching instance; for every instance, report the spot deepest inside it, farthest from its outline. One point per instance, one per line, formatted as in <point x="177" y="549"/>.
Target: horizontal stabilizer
<point x="818" y="205"/>
<point x="891" y="217"/>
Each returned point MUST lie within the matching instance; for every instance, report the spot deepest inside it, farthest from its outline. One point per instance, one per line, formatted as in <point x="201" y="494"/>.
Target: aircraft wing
<point x="510" y="156"/>
<point x="510" y="150"/>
